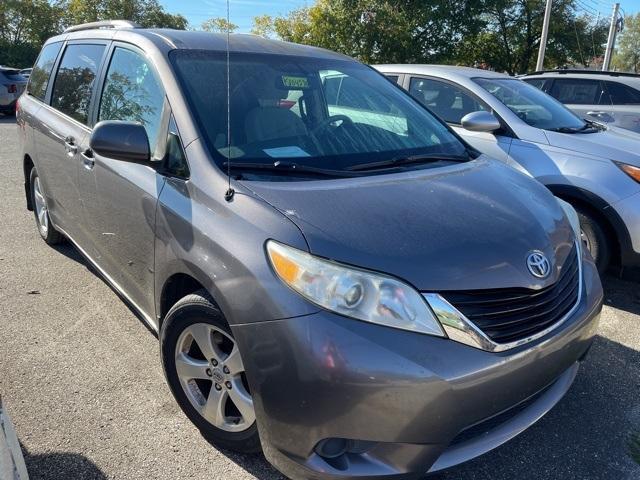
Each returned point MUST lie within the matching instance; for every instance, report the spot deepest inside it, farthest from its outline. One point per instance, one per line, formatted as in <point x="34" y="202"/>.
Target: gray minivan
<point x="348" y="286"/>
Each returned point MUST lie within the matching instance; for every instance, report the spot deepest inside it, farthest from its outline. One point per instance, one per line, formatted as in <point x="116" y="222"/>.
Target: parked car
<point x="26" y="72"/>
<point x="595" y="168"/>
<point x="608" y="97"/>
<point x="350" y="287"/>
<point x="12" y="84"/>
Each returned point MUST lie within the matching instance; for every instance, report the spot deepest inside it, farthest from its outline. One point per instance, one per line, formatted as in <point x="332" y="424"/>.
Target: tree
<point x="148" y="13"/>
<point x="384" y="30"/>
<point x="219" y="25"/>
<point x="627" y="57"/>
<point x="24" y="26"/>
<point x="511" y="36"/>
<point x="263" y="25"/>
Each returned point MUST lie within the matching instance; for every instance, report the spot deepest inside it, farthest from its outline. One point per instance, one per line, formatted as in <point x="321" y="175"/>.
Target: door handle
<point x="88" y="161"/>
<point x="70" y="146"/>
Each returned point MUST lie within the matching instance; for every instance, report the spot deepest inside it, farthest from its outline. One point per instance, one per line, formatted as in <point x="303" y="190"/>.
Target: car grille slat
<point x="507" y="315"/>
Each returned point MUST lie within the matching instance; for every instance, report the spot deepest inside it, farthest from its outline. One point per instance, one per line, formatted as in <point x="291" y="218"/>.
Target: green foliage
<point x="263" y="25"/>
<point x="627" y="57"/>
<point x="501" y="34"/>
<point x="26" y="24"/>
<point x="218" y="25"/>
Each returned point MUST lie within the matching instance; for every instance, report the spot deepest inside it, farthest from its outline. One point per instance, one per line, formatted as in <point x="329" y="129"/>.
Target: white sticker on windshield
<point x="286" y="152"/>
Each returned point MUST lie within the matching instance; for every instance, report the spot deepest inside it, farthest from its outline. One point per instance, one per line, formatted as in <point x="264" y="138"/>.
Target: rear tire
<point x="595" y="239"/>
<point x="41" y="212"/>
<point x="205" y="373"/>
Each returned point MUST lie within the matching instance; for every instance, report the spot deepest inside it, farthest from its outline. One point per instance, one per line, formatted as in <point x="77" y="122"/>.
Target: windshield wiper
<point x="283" y="166"/>
<point x="411" y="159"/>
<point x="581" y="129"/>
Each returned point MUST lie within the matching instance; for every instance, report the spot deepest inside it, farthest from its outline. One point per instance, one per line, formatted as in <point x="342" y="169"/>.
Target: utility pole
<point x="611" y="41"/>
<point x="543" y="38"/>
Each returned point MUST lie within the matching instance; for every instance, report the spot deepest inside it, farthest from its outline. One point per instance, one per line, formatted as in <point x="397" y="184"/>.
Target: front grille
<point x="510" y="314"/>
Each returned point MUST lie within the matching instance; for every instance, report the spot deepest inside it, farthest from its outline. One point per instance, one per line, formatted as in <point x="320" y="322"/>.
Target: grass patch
<point x="634" y="447"/>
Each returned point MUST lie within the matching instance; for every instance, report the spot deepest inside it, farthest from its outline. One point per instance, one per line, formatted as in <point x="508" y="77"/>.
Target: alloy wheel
<point x="41" y="208"/>
<point x="212" y="375"/>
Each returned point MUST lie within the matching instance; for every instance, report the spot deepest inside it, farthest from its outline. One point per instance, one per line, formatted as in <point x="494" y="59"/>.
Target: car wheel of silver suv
<point x="204" y="370"/>
<point x="595" y="239"/>
<point x="41" y="211"/>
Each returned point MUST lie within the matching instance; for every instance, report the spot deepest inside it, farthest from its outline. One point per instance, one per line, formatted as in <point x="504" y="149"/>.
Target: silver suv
<point x="335" y="276"/>
<point x="593" y="167"/>
<point x="609" y="97"/>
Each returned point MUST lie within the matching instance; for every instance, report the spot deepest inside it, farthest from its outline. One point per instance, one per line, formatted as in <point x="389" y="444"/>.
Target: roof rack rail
<point x="103" y="24"/>
<point x="585" y="71"/>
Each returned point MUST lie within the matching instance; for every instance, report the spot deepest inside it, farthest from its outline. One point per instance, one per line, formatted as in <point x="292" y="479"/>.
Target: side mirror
<point x="481" y="121"/>
<point x="126" y="141"/>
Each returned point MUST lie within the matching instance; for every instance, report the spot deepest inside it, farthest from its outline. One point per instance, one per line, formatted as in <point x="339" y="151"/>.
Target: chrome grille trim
<point x="460" y="329"/>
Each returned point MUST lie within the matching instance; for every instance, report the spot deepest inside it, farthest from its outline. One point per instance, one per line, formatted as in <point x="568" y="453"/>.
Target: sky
<point x="243" y="11"/>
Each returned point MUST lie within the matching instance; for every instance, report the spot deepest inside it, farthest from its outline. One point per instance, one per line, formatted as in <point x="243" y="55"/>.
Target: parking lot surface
<point x="81" y="377"/>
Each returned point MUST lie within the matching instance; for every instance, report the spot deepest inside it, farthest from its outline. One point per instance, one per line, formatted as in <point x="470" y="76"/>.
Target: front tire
<point x="205" y="373"/>
<point x="595" y="239"/>
<point x="41" y="211"/>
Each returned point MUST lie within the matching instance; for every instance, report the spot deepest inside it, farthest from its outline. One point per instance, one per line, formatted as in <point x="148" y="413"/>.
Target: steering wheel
<point x="331" y="120"/>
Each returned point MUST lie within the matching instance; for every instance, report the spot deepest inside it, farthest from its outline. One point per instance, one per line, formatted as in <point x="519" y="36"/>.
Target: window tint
<point x="132" y="93"/>
<point x="39" y="78"/>
<point x="620" y="94"/>
<point x="75" y="79"/>
<point x="175" y="161"/>
<point x="393" y="78"/>
<point x="536" y="82"/>
<point x="576" y="91"/>
<point x="447" y="101"/>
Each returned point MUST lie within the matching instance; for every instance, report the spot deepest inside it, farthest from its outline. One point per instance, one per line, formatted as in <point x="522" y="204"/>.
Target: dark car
<point x="349" y="287"/>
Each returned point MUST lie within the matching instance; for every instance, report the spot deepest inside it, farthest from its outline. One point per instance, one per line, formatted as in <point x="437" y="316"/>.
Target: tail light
<point x="13" y="88"/>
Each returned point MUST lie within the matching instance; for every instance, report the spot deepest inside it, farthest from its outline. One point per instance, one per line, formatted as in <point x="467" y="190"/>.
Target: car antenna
<point x="228" y="196"/>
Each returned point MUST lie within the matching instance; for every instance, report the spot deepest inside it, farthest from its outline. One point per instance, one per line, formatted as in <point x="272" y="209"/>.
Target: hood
<point x="464" y="226"/>
<point x="613" y="143"/>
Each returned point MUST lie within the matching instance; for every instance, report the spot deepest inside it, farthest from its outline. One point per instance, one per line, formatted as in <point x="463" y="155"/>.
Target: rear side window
<point x="576" y="91"/>
<point x="39" y="78"/>
<point x="132" y="93"/>
<point x="536" y="82"/>
<point x="447" y="101"/>
<point x="74" y="82"/>
<point x="620" y="94"/>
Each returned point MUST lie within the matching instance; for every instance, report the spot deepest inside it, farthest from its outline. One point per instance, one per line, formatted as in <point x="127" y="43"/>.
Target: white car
<point x="596" y="168"/>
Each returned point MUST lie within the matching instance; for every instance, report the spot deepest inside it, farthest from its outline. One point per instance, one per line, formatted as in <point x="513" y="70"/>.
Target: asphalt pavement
<point x="80" y="375"/>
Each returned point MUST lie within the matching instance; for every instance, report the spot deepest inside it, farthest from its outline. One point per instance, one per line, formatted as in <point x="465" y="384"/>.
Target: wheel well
<point x="602" y="220"/>
<point x="27" y="166"/>
<point x="176" y="287"/>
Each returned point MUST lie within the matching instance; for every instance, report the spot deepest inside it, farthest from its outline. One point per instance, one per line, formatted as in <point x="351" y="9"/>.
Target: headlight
<point x="352" y="292"/>
<point x="572" y="215"/>
<point x="633" y="172"/>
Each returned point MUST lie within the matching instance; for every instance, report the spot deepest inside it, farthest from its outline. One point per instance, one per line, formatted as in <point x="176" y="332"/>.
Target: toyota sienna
<point x="335" y="277"/>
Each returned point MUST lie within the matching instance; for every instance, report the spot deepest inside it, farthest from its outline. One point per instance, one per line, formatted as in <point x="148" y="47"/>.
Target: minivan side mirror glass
<point x="126" y="141"/>
<point x="480" y="121"/>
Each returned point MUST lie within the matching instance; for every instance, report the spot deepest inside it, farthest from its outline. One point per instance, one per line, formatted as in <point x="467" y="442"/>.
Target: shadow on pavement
<point x="623" y="294"/>
<point x="61" y="465"/>
<point x="7" y="118"/>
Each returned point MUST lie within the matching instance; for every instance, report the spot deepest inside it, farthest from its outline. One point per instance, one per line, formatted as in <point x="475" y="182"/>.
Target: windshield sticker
<point x="298" y="83"/>
<point x="286" y="152"/>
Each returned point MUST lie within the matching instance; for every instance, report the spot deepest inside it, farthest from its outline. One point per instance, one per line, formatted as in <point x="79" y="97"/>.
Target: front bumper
<point x="412" y="396"/>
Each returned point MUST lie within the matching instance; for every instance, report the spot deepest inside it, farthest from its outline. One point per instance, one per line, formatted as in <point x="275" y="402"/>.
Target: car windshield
<point x="12" y="74"/>
<point x="313" y="113"/>
<point x="533" y="106"/>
